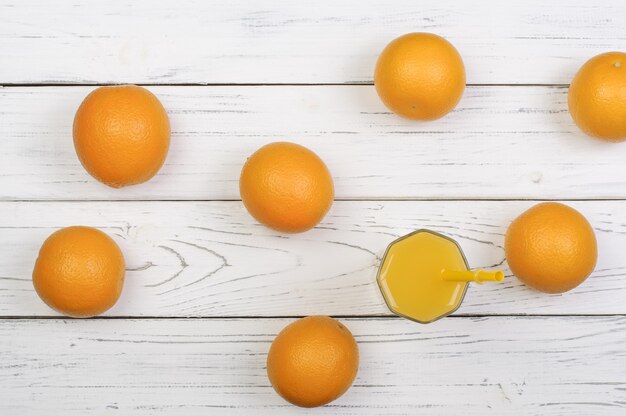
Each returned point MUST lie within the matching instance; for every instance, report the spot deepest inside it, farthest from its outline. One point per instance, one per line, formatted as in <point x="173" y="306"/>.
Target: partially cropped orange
<point x="313" y="361"/>
<point x="420" y="76"/>
<point x="121" y="135"/>
<point x="597" y="97"/>
<point x="551" y="247"/>
<point x="79" y="272"/>
<point x="286" y="187"/>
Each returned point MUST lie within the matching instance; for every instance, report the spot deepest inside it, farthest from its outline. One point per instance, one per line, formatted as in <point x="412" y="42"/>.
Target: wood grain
<point x="472" y="366"/>
<point x="270" y="41"/>
<point x="501" y="142"/>
<point x="212" y="259"/>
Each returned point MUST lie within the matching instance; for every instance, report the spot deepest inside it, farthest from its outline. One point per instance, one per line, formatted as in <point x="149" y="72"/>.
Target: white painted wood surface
<point x="501" y="142"/>
<point x="195" y="258"/>
<point x="469" y="366"/>
<point x="284" y="41"/>
<point x="212" y="259"/>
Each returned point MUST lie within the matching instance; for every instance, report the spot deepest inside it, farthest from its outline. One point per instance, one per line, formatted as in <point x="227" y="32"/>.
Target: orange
<point x="313" y="361"/>
<point x="597" y="97"/>
<point x="121" y="135"/>
<point x="287" y="187"/>
<point x="420" y="76"/>
<point x="551" y="247"/>
<point x="79" y="272"/>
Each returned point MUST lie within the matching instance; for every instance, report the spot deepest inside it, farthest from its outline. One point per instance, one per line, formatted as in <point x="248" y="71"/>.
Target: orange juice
<point x="424" y="276"/>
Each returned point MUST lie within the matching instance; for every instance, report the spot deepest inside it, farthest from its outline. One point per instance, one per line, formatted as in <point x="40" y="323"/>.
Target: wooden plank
<point x="212" y="259"/>
<point x="502" y="142"/>
<point x="269" y="41"/>
<point x="469" y="366"/>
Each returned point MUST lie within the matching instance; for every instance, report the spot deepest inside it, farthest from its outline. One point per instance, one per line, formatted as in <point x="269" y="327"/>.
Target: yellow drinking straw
<point x="478" y="275"/>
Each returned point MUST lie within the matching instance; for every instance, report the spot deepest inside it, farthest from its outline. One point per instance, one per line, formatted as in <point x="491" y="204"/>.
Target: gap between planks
<point x="367" y="199"/>
<point x="272" y="317"/>
<point x="274" y="84"/>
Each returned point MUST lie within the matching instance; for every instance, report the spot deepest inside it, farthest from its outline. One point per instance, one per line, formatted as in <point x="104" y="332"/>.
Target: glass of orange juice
<point x="424" y="276"/>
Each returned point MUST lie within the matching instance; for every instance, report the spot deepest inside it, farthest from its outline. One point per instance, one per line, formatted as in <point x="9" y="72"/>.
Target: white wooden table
<point x="208" y="288"/>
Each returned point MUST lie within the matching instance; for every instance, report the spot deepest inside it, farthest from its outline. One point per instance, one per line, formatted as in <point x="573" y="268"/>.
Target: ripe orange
<point x="121" y="135"/>
<point x="551" y="247"/>
<point x="420" y="76"/>
<point x="286" y="186"/>
<point x="597" y="97"/>
<point x="79" y="272"/>
<point x="313" y="361"/>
